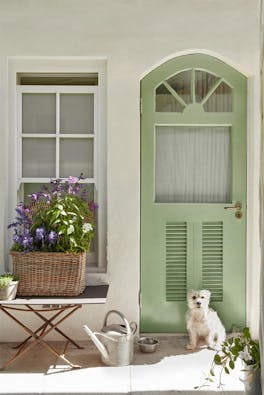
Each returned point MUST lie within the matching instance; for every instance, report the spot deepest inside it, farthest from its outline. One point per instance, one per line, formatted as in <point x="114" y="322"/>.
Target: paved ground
<point x="170" y="370"/>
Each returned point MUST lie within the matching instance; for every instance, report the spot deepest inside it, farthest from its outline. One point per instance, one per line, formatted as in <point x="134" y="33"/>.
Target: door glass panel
<point x="220" y="100"/>
<point x="76" y="157"/>
<point x="193" y="164"/>
<point x="77" y="113"/>
<point x="38" y="113"/>
<point x="181" y="83"/>
<point x="38" y="157"/>
<point x="165" y="102"/>
<point x="203" y="83"/>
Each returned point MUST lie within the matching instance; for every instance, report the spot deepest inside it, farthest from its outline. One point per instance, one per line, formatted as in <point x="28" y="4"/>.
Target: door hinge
<point x="141" y="106"/>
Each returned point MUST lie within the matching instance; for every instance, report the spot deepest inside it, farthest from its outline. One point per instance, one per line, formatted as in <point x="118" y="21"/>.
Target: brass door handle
<point x="237" y="207"/>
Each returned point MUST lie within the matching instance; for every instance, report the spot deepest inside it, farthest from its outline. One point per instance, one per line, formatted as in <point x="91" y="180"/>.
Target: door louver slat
<point x="176" y="261"/>
<point x="212" y="259"/>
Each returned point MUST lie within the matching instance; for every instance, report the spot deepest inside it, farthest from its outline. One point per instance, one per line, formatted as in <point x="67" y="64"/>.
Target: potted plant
<point x="51" y="235"/>
<point x="239" y="346"/>
<point x="8" y="286"/>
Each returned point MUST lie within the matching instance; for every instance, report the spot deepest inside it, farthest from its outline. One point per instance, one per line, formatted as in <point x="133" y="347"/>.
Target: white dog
<point x="202" y="321"/>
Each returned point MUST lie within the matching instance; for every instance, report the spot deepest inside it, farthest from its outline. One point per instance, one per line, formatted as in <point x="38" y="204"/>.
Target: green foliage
<point x="66" y="216"/>
<point x="59" y="218"/>
<point x="6" y="279"/>
<point x="240" y="346"/>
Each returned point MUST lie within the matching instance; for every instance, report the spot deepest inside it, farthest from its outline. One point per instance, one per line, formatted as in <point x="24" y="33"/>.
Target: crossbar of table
<point x="25" y="346"/>
<point x="46" y="321"/>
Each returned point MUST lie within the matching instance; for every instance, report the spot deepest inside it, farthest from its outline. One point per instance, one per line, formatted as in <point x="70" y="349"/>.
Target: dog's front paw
<point x="190" y="346"/>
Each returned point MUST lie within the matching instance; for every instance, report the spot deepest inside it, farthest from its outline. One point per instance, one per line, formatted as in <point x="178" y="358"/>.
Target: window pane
<point x="193" y="164"/>
<point x="181" y="83"/>
<point x="220" y="100"/>
<point x="165" y="102"/>
<point x="29" y="189"/>
<point x="77" y="113"/>
<point x="38" y="157"/>
<point x="76" y="157"/>
<point x="38" y="113"/>
<point x="203" y="83"/>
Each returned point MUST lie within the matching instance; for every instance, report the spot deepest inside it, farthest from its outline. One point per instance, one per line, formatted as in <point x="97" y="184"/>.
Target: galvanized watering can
<point x="115" y="342"/>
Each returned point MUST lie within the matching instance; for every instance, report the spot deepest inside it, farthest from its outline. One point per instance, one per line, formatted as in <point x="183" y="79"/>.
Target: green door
<point x="193" y="190"/>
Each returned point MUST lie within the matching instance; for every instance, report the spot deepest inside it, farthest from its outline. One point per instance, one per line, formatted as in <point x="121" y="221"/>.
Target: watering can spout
<point x="96" y="341"/>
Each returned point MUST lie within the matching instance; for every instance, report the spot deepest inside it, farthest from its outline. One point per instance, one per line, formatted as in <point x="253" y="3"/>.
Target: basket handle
<point x="128" y="329"/>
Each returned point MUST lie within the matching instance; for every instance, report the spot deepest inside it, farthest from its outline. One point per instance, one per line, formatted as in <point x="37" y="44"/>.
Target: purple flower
<point x="34" y="197"/>
<point x="40" y="233"/>
<point x="16" y="239"/>
<point x="26" y="232"/>
<point x="52" y="237"/>
<point x="93" y="206"/>
<point x="27" y="241"/>
<point x="72" y="180"/>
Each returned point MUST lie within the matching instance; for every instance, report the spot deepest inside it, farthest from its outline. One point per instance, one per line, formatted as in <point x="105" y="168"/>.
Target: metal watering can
<point x="115" y="342"/>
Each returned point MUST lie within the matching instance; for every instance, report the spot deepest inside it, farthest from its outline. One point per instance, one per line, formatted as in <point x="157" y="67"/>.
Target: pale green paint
<point x="157" y="315"/>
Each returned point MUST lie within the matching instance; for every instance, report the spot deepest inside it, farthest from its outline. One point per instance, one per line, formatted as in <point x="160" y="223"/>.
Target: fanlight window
<point x="194" y="87"/>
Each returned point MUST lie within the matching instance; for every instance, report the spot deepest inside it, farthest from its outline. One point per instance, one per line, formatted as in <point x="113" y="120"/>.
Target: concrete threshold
<point x="170" y="370"/>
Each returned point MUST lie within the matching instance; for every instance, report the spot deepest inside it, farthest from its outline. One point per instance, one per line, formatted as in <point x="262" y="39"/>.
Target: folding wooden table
<point x="60" y="308"/>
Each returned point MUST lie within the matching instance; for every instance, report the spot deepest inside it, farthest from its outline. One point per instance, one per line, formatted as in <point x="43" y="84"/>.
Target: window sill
<point x="95" y="269"/>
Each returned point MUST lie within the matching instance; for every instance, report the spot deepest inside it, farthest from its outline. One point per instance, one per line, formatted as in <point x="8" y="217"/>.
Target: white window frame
<point x="60" y="66"/>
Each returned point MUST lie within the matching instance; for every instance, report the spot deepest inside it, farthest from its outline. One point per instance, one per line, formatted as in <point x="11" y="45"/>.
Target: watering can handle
<point x="128" y="329"/>
<point x="133" y="326"/>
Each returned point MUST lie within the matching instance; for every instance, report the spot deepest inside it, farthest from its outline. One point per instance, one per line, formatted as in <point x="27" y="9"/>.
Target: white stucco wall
<point x="133" y="36"/>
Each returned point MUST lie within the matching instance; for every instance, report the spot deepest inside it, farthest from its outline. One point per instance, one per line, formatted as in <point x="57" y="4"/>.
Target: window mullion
<point x="193" y="86"/>
<point x="57" y="134"/>
<point x="95" y="134"/>
<point x="19" y="132"/>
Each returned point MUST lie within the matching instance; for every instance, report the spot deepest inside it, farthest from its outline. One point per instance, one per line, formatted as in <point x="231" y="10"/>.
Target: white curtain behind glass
<point x="193" y="164"/>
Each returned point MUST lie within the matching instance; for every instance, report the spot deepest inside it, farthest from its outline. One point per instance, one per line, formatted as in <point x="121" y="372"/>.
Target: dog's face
<point x="198" y="299"/>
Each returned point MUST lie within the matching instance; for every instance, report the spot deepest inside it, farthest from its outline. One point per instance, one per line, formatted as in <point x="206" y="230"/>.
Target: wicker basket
<point x="49" y="273"/>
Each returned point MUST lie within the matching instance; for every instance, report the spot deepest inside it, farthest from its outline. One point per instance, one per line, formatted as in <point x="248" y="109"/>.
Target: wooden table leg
<point x="56" y="329"/>
<point x="25" y="346"/>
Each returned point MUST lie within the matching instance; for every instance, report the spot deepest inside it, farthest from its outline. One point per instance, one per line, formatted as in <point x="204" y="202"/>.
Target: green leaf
<point x="212" y="372"/>
<point x="246" y="333"/>
<point x="217" y="359"/>
<point x="70" y="230"/>
<point x="231" y="364"/>
<point x="226" y="370"/>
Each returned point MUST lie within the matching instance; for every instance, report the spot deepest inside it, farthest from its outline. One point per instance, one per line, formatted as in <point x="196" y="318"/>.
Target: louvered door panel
<point x="176" y="261"/>
<point x="212" y="259"/>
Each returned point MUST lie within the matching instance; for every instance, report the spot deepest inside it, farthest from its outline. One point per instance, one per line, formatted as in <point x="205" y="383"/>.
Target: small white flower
<point x="244" y="355"/>
<point x="87" y="227"/>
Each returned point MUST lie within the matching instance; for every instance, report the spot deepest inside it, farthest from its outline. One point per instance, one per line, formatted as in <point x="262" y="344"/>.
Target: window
<point x="194" y="86"/>
<point x="58" y="135"/>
